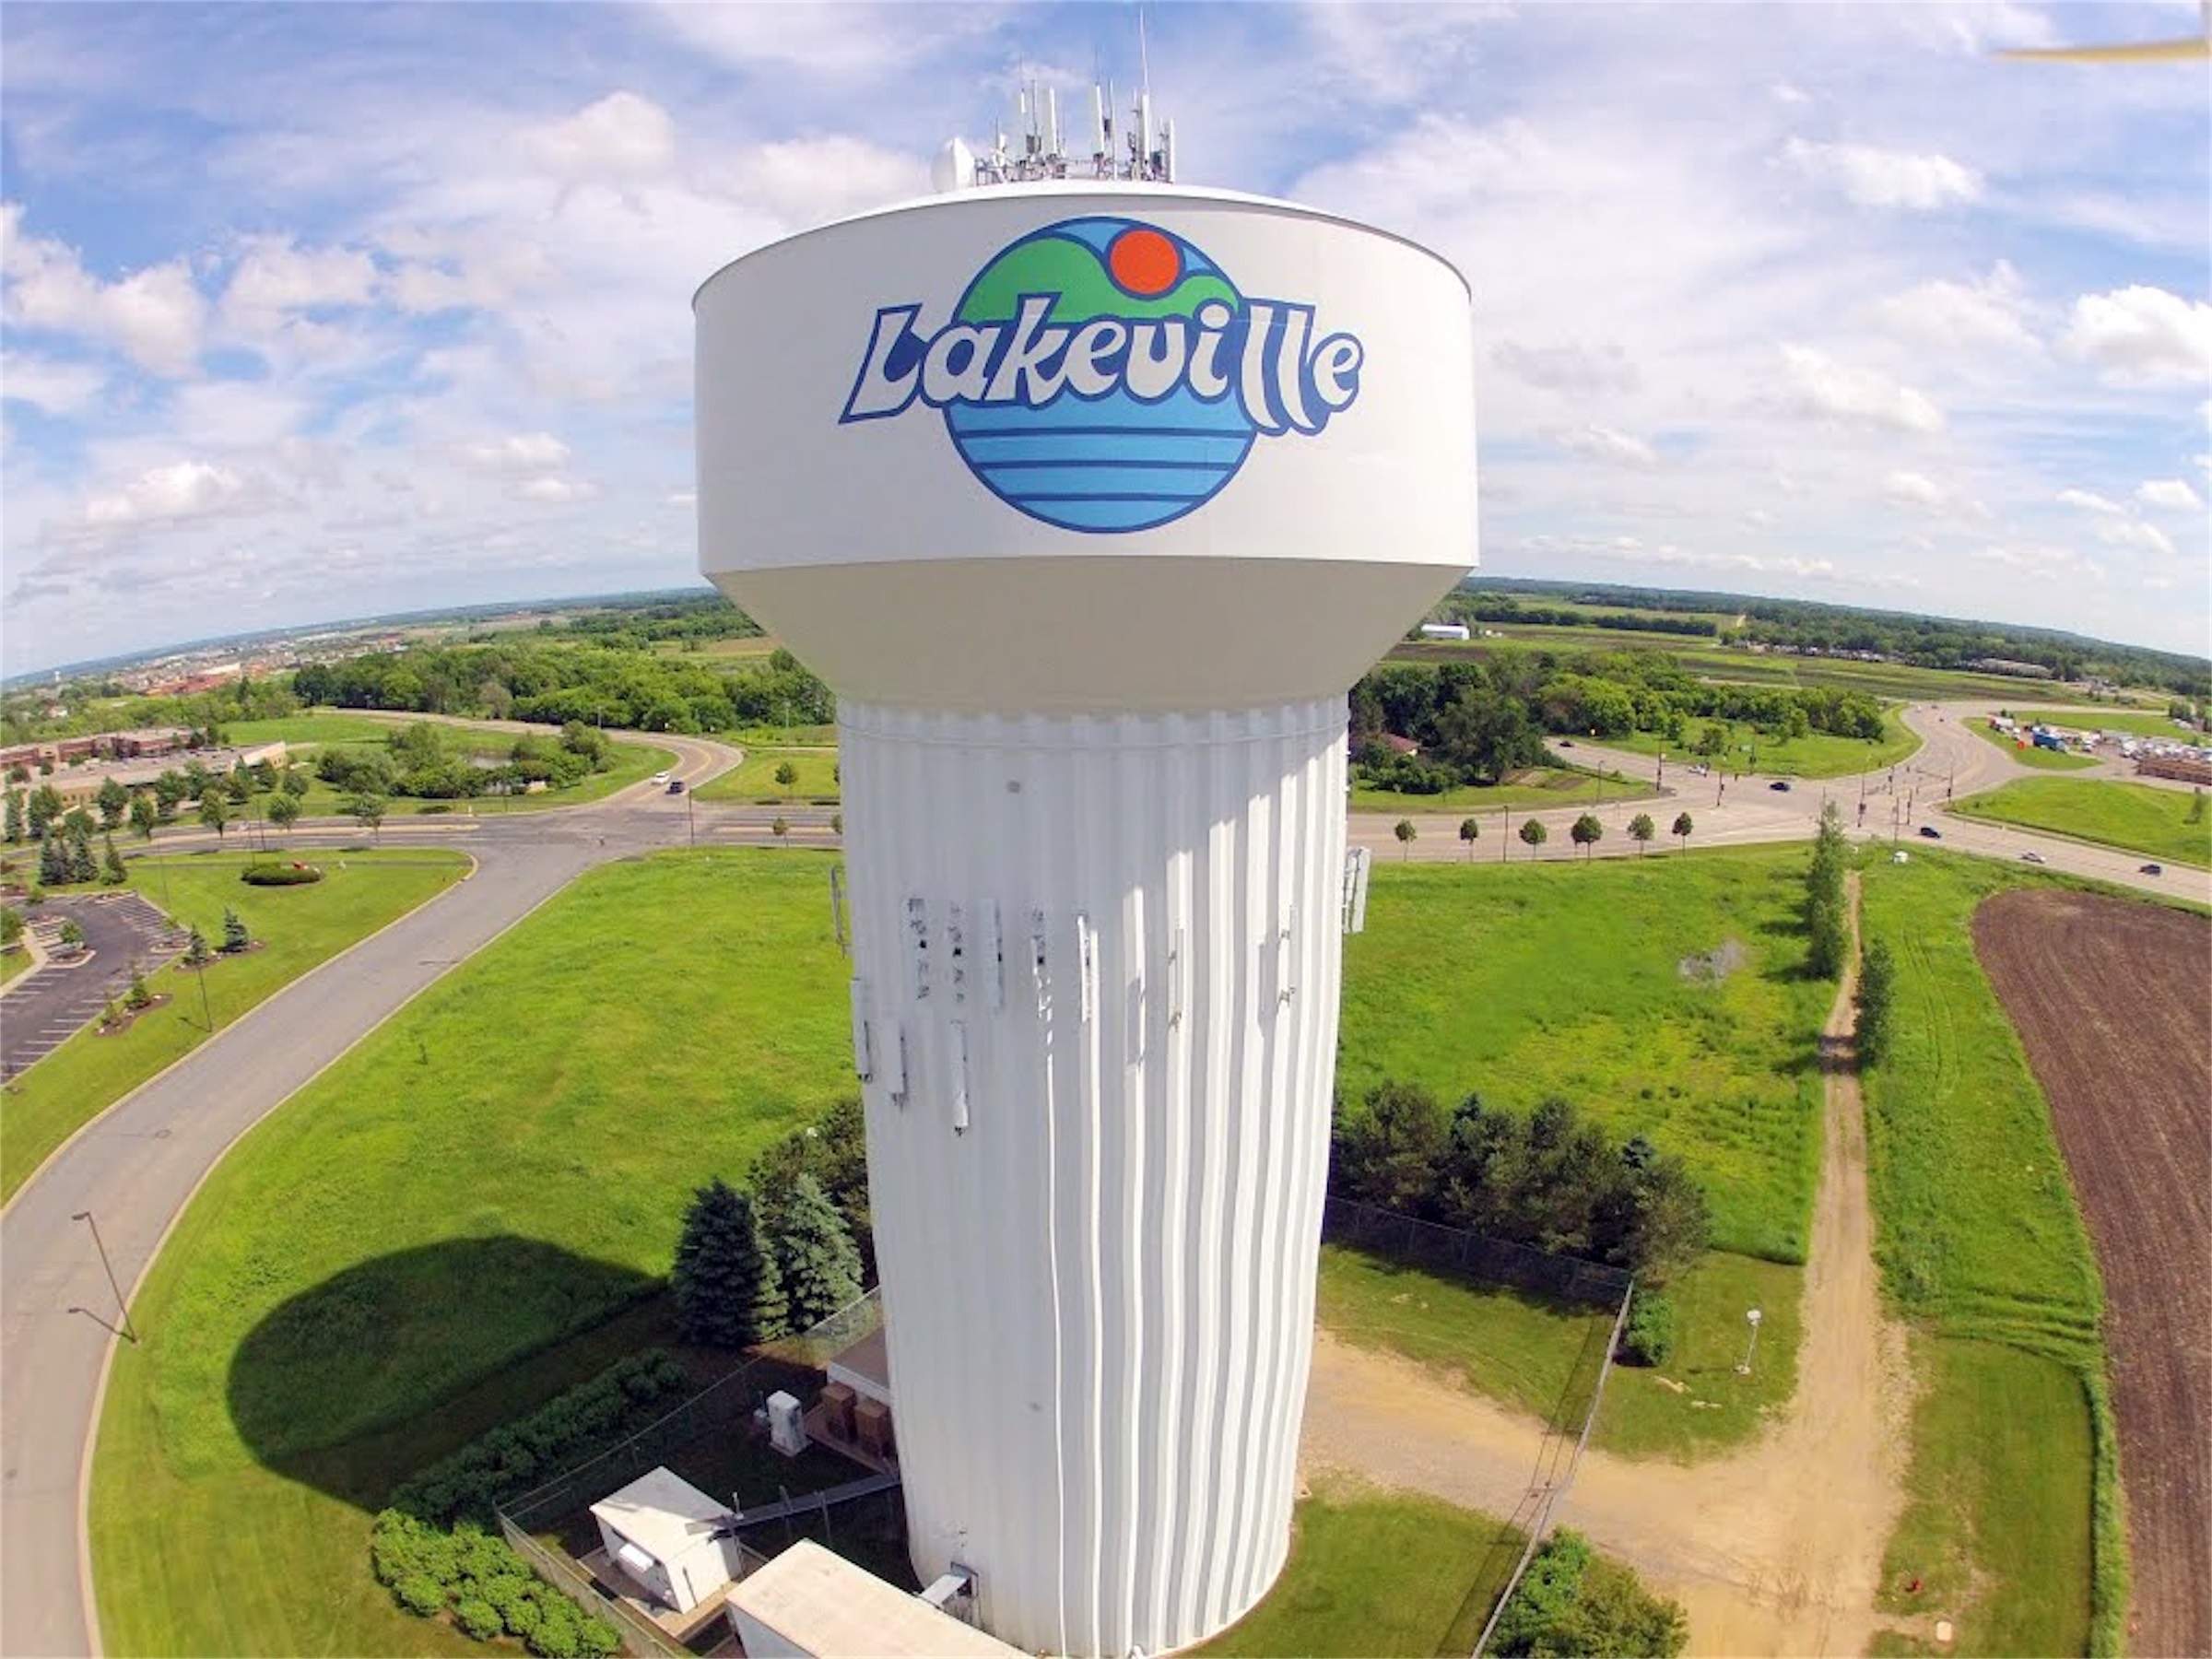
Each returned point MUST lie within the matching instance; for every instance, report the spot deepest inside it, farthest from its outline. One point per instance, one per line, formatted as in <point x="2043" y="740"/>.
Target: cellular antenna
<point x="1037" y="153"/>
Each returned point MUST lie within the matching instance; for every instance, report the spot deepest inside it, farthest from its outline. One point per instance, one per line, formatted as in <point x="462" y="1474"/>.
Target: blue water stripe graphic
<point x="1000" y="449"/>
<point x="1136" y="483"/>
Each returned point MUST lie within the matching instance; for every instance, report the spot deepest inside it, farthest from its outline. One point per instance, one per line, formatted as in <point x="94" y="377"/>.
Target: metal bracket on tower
<point x="1178" y="972"/>
<point x="864" y="1054"/>
<point x="956" y="1062"/>
<point x="917" y="943"/>
<point x="956" y="954"/>
<point x="1357" y="862"/>
<point x="1086" y="968"/>
<point x="1040" y="974"/>
<point x="996" y="990"/>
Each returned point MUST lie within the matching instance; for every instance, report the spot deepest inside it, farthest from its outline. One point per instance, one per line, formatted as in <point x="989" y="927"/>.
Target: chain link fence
<point x="640" y="1635"/>
<point x="1495" y="1261"/>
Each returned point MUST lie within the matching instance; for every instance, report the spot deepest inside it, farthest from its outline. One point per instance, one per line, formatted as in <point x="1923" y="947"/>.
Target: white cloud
<point x="274" y="274"/>
<point x="2142" y="334"/>
<point x="1919" y="491"/>
<point x="554" y="490"/>
<point x="2171" y="494"/>
<point x="155" y="316"/>
<point x="1603" y="443"/>
<point x="521" y="453"/>
<point x="48" y="384"/>
<point x="1570" y="368"/>
<point x="2088" y="501"/>
<point x="2036" y="558"/>
<point x="805" y="181"/>
<point x="184" y="489"/>
<point x="623" y="137"/>
<point x="1985" y="315"/>
<point x="1832" y="390"/>
<point x="1880" y="178"/>
<point x="2134" y="533"/>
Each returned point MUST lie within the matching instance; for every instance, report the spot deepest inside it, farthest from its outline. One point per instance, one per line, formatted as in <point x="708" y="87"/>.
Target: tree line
<point x="1552" y="1178"/>
<point x="1476" y="722"/>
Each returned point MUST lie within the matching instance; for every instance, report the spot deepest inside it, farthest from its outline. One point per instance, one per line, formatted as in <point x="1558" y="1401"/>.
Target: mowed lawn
<point x="299" y="927"/>
<point x="2027" y="754"/>
<point x="2136" y="816"/>
<point x="1520" y="981"/>
<point x="502" y="1166"/>
<point x="1814" y="755"/>
<point x="754" y="778"/>
<point x="2013" y="1498"/>
<point x="1537" y="787"/>
<point x="1373" y="1574"/>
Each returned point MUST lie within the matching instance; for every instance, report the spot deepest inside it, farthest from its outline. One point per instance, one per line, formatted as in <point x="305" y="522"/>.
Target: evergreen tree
<point x="112" y="873"/>
<point x="196" y="949"/>
<point x="44" y="807"/>
<point x="821" y="1262"/>
<point x="17" y="826"/>
<point x="728" y="1292"/>
<point x="235" y="937"/>
<point x="83" y="865"/>
<point x="1878" y="997"/>
<point x="53" y="862"/>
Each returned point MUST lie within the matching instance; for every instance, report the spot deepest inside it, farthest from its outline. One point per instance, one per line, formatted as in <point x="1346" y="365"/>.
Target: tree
<point x="1385" y="1154"/>
<point x="1586" y="832"/>
<point x="113" y="801"/>
<point x="283" y="810"/>
<point x="53" y="862"/>
<point x="1827" y="928"/>
<point x="214" y="814"/>
<point x="1640" y="831"/>
<point x="1878" y="997"/>
<point x="1405" y="832"/>
<point x="1534" y="835"/>
<point x="45" y="806"/>
<point x="834" y="1150"/>
<point x="112" y="873"/>
<point x="781" y="827"/>
<point x="11" y="925"/>
<point x="294" y="782"/>
<point x="71" y="934"/>
<point x="815" y="1249"/>
<point x="196" y="949"/>
<point x="1683" y="826"/>
<point x="1469" y="830"/>
<point x="16" y="826"/>
<point x="787" y="774"/>
<point x="367" y="808"/>
<point x="144" y="812"/>
<point x="235" y="937"/>
<point x="728" y="1293"/>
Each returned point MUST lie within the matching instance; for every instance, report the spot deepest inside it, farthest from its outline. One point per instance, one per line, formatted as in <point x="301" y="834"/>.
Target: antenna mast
<point x="1038" y="150"/>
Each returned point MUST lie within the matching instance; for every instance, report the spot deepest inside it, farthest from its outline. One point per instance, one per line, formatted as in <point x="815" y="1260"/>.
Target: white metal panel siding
<point x="1099" y="1292"/>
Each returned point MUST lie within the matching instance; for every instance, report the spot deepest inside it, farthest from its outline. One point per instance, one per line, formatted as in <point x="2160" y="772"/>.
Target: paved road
<point x="43" y="1009"/>
<point x="135" y="1169"/>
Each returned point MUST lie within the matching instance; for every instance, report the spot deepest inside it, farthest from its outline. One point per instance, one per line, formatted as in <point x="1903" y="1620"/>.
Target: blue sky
<point x="311" y="312"/>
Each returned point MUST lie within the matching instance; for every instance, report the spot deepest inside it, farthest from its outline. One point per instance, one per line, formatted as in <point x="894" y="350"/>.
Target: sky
<point x="314" y="312"/>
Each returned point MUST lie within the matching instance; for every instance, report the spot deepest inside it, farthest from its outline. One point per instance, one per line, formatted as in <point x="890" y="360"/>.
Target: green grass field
<point x="301" y="926"/>
<point x="13" y="962"/>
<point x="2134" y="816"/>
<point x="1538" y="786"/>
<point x="473" y="1190"/>
<point x="754" y="778"/>
<point x="1517" y="983"/>
<point x="1999" y="1495"/>
<point x="1815" y="755"/>
<point x="1541" y="1356"/>
<point x="1374" y="1573"/>
<point x="1980" y="1241"/>
<point x="2028" y="753"/>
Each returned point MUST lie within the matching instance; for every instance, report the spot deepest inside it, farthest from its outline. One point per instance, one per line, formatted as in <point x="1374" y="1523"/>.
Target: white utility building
<point x="669" y="1537"/>
<point x="1090" y="501"/>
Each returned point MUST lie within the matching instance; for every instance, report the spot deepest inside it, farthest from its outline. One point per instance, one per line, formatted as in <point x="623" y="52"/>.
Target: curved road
<point x="135" y="1167"/>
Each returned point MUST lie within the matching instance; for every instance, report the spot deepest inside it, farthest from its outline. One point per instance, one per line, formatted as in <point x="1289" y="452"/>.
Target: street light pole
<point x="1744" y="1368"/>
<point x="122" y="1307"/>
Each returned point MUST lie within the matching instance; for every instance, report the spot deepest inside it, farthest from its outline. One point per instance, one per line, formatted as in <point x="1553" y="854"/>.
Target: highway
<point x="134" y="1168"/>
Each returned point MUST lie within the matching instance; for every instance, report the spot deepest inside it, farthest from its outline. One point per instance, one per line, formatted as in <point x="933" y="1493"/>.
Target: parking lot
<point x="48" y="1005"/>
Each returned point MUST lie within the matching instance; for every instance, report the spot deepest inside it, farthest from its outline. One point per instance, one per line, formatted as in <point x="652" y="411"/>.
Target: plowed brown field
<point x="2113" y="1000"/>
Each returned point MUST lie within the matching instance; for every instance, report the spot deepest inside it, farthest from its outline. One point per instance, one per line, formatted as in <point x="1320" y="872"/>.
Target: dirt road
<point x="1776" y="1549"/>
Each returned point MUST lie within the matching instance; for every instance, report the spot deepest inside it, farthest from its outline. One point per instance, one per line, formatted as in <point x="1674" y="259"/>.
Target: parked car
<point x="2154" y="869"/>
<point x="1780" y="784"/>
<point x="660" y="777"/>
<point x="2032" y="857"/>
<point x="1930" y="831"/>
<point x="676" y="786"/>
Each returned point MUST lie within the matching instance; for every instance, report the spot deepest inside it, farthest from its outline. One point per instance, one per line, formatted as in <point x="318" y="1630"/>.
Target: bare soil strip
<point x="2112" y="1001"/>
<point x="1774" y="1549"/>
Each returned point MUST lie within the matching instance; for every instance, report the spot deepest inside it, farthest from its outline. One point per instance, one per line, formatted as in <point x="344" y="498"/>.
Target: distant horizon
<point x="123" y="660"/>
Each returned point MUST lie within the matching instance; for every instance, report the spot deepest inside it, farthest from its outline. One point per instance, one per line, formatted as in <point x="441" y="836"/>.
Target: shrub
<point x="478" y="1618"/>
<point x="556" y="1635"/>
<point x="420" y="1595"/>
<point x="279" y="875"/>
<point x="1648" y="1337"/>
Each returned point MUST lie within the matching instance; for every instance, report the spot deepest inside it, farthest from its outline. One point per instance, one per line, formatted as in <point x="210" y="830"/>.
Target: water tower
<point x="1091" y="496"/>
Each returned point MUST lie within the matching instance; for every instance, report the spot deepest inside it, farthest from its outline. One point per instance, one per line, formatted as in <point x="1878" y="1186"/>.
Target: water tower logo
<point x="1104" y="375"/>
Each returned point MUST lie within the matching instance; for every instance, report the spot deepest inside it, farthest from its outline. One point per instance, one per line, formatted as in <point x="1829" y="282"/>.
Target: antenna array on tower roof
<point x="1037" y="152"/>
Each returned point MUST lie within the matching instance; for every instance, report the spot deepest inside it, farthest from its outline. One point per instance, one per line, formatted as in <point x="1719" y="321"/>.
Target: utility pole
<point x="122" y="1307"/>
<point x="1752" y="1318"/>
